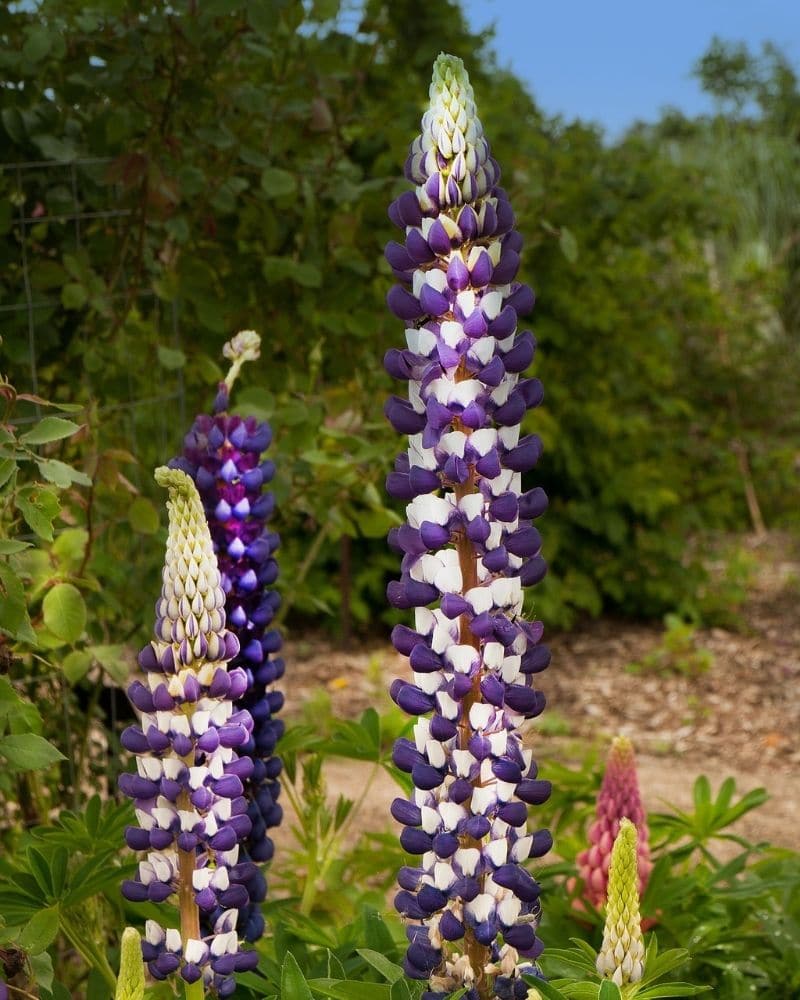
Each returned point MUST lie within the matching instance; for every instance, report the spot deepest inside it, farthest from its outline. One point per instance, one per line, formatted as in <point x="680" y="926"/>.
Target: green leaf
<point x="293" y="982"/>
<point x="609" y="991"/>
<point x="256" y="401"/>
<point x="14" y="620"/>
<point x="38" y="505"/>
<point x="70" y="548"/>
<point x="63" y="150"/>
<point x="40" y="931"/>
<point x="42" y="968"/>
<point x="37" y="44"/>
<point x="386" y="968"/>
<point x="568" y="244"/>
<point x="23" y="715"/>
<point x="61" y="474"/>
<point x="64" y="611"/>
<point x="671" y="990"/>
<point x="547" y="990"/>
<point x="277" y="183"/>
<point x="279" y="269"/>
<point x="348" y="990"/>
<point x="14" y="124"/>
<point x="111" y="658"/>
<point x="143" y="516"/>
<point x="8" y="546"/>
<point x="28" y="752"/>
<point x="170" y="357"/>
<point x="50" y="429"/>
<point x="40" y="869"/>
<point x="59" y="864"/>
<point x="75" y="665"/>
<point x="7" y="469"/>
<point x="74" y="295"/>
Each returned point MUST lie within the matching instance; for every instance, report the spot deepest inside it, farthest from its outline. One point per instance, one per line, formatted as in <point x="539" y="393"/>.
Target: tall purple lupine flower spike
<point x="468" y="548"/>
<point x="222" y="455"/>
<point x="188" y="787"/>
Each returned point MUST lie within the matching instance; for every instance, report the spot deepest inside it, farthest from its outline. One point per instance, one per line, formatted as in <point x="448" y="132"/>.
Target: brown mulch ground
<point x="740" y="718"/>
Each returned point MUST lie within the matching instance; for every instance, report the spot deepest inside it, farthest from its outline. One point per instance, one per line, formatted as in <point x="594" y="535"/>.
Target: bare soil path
<point x="740" y="718"/>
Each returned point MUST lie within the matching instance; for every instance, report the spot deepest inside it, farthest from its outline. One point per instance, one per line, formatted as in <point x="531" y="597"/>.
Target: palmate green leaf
<point x="96" y="874"/>
<point x="59" y="863"/>
<point x="348" y="990"/>
<point x="573" y="957"/>
<point x="293" y="982"/>
<point x="608" y="991"/>
<point x="671" y="990"/>
<point x="560" y="988"/>
<point x="377" y="935"/>
<point x="18" y="905"/>
<point x="335" y="969"/>
<point x="402" y="991"/>
<point x="40" y="869"/>
<point x="387" y="969"/>
<point x="356" y="740"/>
<point x="28" y="752"/>
<point x="49" y="429"/>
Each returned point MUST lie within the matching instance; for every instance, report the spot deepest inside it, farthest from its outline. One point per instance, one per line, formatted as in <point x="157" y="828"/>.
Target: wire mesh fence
<point x="59" y="212"/>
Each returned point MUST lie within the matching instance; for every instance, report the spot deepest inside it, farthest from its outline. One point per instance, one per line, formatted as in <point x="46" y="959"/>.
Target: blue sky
<point x="615" y="61"/>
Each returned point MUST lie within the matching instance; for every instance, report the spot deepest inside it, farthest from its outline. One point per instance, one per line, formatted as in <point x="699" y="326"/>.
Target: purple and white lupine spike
<point x="189" y="781"/>
<point x="222" y="455"/>
<point x="468" y="548"/>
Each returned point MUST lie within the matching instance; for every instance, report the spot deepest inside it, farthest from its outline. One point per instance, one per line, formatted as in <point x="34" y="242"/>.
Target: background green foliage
<point x="252" y="149"/>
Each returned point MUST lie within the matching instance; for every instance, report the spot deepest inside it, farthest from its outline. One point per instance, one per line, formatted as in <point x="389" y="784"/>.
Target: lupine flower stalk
<point x="468" y="548"/>
<point x="188" y="788"/>
<point x="222" y="454"/>
<point x="619" y="799"/>
<point x="621" y="955"/>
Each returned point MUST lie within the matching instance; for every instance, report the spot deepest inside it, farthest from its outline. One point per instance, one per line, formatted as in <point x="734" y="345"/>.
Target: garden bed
<point x="735" y="719"/>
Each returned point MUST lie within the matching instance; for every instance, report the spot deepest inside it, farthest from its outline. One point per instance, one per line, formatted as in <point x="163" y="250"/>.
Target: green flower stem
<point x="194" y="991"/>
<point x="89" y="952"/>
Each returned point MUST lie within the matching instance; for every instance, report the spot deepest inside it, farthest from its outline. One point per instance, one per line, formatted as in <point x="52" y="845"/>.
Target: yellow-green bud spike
<point x="621" y="955"/>
<point x="190" y="624"/>
<point x="130" y="984"/>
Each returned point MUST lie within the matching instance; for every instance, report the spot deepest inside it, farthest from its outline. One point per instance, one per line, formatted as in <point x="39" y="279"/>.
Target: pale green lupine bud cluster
<point x="130" y="983"/>
<point x="621" y="955"/>
<point x="450" y="158"/>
